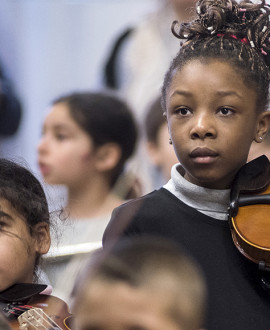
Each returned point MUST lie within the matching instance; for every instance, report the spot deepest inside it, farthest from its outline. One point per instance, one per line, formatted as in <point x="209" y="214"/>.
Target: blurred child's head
<point x="216" y="90"/>
<point x="142" y="283"/>
<point x="85" y="133"/>
<point x="160" y="152"/>
<point x="25" y="223"/>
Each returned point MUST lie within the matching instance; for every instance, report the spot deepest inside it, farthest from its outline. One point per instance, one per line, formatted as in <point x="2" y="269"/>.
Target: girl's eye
<point x="183" y="111"/>
<point x="225" y="111"/>
<point x="3" y="225"/>
<point x="60" y="137"/>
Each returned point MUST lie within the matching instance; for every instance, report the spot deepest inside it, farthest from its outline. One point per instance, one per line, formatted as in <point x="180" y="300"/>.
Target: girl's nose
<point x="203" y="127"/>
<point x="42" y="145"/>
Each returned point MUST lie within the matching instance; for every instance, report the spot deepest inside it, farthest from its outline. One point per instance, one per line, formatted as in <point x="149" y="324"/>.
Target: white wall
<point x="50" y="47"/>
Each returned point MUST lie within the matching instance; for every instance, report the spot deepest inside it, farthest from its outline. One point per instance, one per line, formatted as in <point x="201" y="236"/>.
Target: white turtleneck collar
<point x="211" y="202"/>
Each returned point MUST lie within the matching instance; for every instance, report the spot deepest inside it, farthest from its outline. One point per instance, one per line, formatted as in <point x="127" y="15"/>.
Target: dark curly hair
<point x="25" y="194"/>
<point x="237" y="33"/>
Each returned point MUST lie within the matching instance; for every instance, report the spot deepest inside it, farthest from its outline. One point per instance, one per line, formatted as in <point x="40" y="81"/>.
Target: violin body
<point x="45" y="312"/>
<point x="25" y="308"/>
<point x="249" y="211"/>
<point x="251" y="230"/>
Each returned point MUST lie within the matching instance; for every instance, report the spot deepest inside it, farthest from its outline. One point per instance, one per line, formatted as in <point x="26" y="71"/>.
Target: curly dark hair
<point x="237" y="33"/>
<point x="25" y="194"/>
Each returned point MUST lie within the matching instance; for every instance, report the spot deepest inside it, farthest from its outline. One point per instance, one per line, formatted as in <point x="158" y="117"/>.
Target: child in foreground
<point x="25" y="232"/>
<point x="142" y="283"/>
<point x="215" y="96"/>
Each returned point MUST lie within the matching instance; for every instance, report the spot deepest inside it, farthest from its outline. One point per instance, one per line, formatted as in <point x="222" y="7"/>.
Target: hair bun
<point x="229" y="18"/>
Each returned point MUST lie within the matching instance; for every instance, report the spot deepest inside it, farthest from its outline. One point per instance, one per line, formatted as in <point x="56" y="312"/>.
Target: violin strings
<point x="50" y="322"/>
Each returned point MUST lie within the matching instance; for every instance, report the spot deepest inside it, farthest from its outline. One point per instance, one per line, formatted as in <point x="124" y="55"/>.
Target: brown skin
<point x="258" y="149"/>
<point x="18" y="248"/>
<point x="213" y="119"/>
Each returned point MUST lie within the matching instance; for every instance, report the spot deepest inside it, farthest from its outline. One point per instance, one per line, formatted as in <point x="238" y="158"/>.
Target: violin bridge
<point x="34" y="318"/>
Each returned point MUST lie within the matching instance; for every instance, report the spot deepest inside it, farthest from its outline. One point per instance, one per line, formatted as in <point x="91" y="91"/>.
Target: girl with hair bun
<point x="215" y="97"/>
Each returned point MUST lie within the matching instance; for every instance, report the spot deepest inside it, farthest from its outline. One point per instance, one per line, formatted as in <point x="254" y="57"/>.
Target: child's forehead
<point x="9" y="212"/>
<point x="204" y="63"/>
<point x="212" y="75"/>
<point x="121" y="303"/>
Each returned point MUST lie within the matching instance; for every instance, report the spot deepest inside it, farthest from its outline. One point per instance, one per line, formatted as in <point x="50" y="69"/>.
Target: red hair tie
<point x="243" y="40"/>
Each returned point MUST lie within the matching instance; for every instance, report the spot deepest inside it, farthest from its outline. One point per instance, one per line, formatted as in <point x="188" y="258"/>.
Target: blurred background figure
<point x="138" y="61"/>
<point x="52" y="48"/>
<point x="159" y="150"/>
<point x="86" y="142"/>
<point x="142" y="53"/>
<point x="142" y="283"/>
<point x="10" y="107"/>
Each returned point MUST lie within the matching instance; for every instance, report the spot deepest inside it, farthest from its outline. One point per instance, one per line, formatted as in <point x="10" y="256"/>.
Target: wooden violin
<point x="34" y="310"/>
<point x="249" y="211"/>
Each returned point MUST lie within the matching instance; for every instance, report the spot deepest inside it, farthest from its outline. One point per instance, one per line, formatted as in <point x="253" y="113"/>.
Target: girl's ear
<point x="165" y="115"/>
<point x="107" y="157"/>
<point x="42" y="237"/>
<point x="263" y="125"/>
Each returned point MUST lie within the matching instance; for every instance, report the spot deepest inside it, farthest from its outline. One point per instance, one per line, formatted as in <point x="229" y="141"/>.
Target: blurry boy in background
<point x="159" y="150"/>
<point x="142" y="283"/>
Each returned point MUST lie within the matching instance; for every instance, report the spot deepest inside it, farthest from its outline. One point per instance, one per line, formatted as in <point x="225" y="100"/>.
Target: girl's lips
<point x="44" y="169"/>
<point x="203" y="152"/>
<point x="203" y="155"/>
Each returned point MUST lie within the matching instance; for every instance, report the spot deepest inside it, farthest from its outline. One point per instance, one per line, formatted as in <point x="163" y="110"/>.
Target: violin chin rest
<point x="21" y="291"/>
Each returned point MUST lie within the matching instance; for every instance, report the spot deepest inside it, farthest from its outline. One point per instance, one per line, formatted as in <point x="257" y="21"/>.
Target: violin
<point x="249" y="211"/>
<point x="26" y="309"/>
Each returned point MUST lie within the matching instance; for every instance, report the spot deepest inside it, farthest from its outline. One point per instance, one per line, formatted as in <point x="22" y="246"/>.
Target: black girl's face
<point x="17" y="248"/>
<point x="212" y="121"/>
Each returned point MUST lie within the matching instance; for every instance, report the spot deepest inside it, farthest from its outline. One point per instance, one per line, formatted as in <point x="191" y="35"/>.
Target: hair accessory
<point x="243" y="10"/>
<point x="264" y="29"/>
<point x="263" y="51"/>
<point x="243" y="40"/>
<point x="198" y="9"/>
<point x="252" y="44"/>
